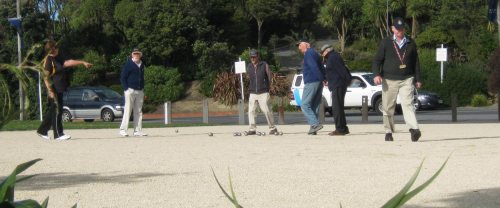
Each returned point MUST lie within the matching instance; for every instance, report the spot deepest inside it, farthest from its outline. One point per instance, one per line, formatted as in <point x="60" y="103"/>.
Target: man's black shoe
<point x="415" y="134"/>
<point x="388" y="137"/>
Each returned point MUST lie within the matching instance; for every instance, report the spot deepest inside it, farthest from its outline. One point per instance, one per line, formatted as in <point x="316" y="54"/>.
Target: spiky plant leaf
<point x="30" y="203"/>
<point x="231" y="186"/>
<point x="45" y="203"/>
<point x="394" y="201"/>
<point x="7" y="186"/>
<point x="415" y="191"/>
<point x="224" y="191"/>
<point x="75" y="206"/>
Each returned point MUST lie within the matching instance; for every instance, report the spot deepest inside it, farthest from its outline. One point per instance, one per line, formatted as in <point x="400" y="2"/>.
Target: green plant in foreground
<point x="7" y="187"/>
<point x="233" y="198"/>
<point x="398" y="200"/>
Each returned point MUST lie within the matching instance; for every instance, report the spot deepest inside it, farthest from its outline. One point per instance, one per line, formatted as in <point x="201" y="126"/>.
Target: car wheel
<point x="378" y="106"/>
<point x="66" y="116"/>
<point x="107" y="115"/>
<point x="417" y="105"/>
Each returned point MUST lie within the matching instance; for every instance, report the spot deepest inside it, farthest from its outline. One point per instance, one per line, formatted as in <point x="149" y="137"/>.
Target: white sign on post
<point x="240" y="67"/>
<point x="441" y="54"/>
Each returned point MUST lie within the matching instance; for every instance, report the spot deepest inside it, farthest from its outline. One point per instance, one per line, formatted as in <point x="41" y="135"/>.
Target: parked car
<point x="427" y="100"/>
<point x="361" y="85"/>
<point x="91" y="103"/>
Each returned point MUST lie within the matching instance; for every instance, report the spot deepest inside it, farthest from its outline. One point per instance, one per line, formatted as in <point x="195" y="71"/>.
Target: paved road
<point x="464" y="115"/>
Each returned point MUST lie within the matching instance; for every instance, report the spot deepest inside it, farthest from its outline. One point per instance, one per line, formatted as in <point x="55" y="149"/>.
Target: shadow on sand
<point x="63" y="179"/>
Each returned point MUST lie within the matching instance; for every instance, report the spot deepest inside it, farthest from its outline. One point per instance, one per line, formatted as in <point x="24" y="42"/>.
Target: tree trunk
<point x="413" y="27"/>
<point x="259" y="25"/>
<point x="342" y="35"/>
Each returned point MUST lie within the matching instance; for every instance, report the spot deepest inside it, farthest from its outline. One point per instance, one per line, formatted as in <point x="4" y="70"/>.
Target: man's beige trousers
<point x="263" y="100"/>
<point x="134" y="99"/>
<point x="390" y="91"/>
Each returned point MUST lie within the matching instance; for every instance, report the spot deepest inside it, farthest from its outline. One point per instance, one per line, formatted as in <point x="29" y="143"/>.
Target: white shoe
<point x="139" y="133"/>
<point x="43" y="136"/>
<point x="63" y="137"/>
<point x="123" y="133"/>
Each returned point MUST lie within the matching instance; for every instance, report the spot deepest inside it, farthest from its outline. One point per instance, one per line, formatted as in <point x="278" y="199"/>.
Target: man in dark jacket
<point x="396" y="67"/>
<point x="132" y="79"/>
<point x="338" y="78"/>
<point x="56" y="66"/>
<point x="260" y="81"/>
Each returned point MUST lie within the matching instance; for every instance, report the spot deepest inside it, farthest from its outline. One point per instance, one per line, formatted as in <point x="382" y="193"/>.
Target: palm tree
<point x="334" y="14"/>
<point x="415" y="9"/>
<point x="8" y="110"/>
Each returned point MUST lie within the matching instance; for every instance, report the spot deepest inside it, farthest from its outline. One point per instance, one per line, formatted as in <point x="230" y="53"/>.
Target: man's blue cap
<point x="398" y="23"/>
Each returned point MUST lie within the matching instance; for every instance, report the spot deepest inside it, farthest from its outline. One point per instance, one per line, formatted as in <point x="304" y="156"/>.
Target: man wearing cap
<point x="314" y="74"/>
<point x="396" y="67"/>
<point x="338" y="78"/>
<point x="132" y="79"/>
<point x="260" y="81"/>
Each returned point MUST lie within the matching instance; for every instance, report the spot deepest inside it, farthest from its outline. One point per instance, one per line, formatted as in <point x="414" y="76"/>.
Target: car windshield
<point x="107" y="93"/>
<point x="369" y="78"/>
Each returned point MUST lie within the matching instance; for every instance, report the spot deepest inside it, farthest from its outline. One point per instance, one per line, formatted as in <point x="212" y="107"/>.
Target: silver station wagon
<point x="91" y="103"/>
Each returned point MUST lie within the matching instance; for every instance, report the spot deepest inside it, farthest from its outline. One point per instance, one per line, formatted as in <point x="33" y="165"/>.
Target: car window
<point x="74" y="95"/>
<point x="356" y="83"/>
<point x="89" y="95"/>
<point x="108" y="93"/>
<point x="369" y="79"/>
<point x="298" y="81"/>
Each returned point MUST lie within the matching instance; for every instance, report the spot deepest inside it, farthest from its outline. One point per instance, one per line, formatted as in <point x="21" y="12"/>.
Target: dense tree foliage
<point x="201" y="38"/>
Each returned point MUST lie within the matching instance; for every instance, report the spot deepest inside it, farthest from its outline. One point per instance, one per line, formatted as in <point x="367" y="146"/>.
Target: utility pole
<point x="21" y="92"/>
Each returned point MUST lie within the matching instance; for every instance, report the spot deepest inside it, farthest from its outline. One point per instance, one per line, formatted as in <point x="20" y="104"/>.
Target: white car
<point x="361" y="85"/>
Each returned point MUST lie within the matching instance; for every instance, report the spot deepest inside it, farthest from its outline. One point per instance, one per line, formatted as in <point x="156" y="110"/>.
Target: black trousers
<point x="53" y="118"/>
<point x="338" y="96"/>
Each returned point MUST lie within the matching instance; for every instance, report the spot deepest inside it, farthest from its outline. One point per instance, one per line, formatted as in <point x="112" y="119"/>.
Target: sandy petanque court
<point x="98" y="168"/>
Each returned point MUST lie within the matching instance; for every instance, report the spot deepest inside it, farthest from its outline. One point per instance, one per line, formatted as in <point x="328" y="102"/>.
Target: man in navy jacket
<point x="132" y="80"/>
<point x="314" y="74"/>
<point x="338" y="78"/>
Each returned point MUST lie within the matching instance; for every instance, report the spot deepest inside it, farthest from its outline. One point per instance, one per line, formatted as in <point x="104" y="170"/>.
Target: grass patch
<point x="17" y="125"/>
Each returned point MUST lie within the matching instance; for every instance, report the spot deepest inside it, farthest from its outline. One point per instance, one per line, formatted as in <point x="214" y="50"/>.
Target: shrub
<point x="162" y="84"/>
<point x="227" y="88"/>
<point x="479" y="100"/>
<point x="207" y="85"/>
<point x="82" y="76"/>
<point x="494" y="66"/>
<point x="212" y="57"/>
<point x="117" y="88"/>
<point x="463" y="79"/>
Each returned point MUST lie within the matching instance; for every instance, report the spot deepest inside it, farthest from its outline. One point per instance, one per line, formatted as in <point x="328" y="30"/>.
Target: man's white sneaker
<point x="139" y="133"/>
<point x="123" y="133"/>
<point x="63" y="137"/>
<point x="43" y="136"/>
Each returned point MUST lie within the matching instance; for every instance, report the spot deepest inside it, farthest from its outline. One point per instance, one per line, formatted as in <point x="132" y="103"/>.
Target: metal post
<point x="241" y="108"/>
<point x="453" y="107"/>
<point x="168" y="112"/>
<point x="281" y="111"/>
<point x="364" y="108"/>
<point x="241" y="82"/>
<point x="21" y="92"/>
<point x="442" y="67"/>
<point x="40" y="96"/>
<point x="205" y="111"/>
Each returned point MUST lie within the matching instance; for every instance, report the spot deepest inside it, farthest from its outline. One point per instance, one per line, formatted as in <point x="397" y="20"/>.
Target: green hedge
<point x="162" y="84"/>
<point x="465" y="80"/>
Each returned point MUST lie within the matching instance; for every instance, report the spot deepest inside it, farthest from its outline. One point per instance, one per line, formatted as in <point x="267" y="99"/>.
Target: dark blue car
<point x="427" y="100"/>
<point x="91" y="103"/>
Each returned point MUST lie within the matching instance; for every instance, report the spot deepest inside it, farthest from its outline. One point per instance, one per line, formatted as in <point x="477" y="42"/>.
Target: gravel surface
<point x="171" y="167"/>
